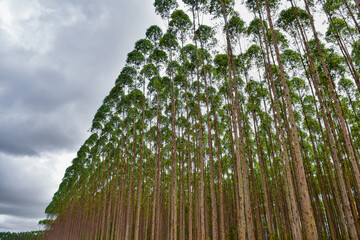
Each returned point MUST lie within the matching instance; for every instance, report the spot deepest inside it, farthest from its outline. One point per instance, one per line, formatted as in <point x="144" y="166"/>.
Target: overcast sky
<point x="58" y="60"/>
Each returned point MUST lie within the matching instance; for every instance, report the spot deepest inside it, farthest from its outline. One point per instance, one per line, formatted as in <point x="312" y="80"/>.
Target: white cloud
<point x="34" y="25"/>
<point x="11" y="223"/>
<point x="27" y="186"/>
<point x="21" y="21"/>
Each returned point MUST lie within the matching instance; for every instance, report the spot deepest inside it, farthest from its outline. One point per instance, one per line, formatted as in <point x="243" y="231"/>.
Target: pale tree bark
<point x="330" y="138"/>
<point x="201" y="143"/>
<point x="214" y="217"/>
<point x="308" y="215"/>
<point x="139" y="187"/>
<point x="294" y="215"/>
<point x="339" y="112"/>
<point x="240" y="149"/>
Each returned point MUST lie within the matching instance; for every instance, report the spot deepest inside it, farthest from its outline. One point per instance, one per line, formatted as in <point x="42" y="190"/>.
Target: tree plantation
<point x="225" y="127"/>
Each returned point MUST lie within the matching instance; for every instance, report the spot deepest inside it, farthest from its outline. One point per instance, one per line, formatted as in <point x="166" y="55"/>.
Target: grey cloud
<point x="25" y="185"/>
<point x="29" y="104"/>
<point x="27" y="210"/>
<point x="83" y="65"/>
<point x="35" y="134"/>
<point x="52" y="81"/>
<point x="17" y="224"/>
<point x="38" y="91"/>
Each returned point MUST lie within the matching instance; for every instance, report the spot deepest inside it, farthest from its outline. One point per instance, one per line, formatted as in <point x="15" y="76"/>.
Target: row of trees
<point x="34" y="235"/>
<point x="256" y="136"/>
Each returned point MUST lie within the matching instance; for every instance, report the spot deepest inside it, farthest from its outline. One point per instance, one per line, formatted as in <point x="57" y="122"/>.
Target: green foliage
<point x="338" y="27"/>
<point x="135" y="58"/>
<point x="180" y="22"/>
<point x="164" y="7"/>
<point x="215" y="7"/>
<point x="158" y="57"/>
<point x="144" y="46"/>
<point x="169" y="42"/>
<point x="221" y="63"/>
<point x="255" y="27"/>
<point x="34" y="235"/>
<point x="292" y="59"/>
<point x="287" y="19"/>
<point x="206" y="35"/>
<point x="154" y="34"/>
<point x="236" y="26"/>
<point x="356" y="54"/>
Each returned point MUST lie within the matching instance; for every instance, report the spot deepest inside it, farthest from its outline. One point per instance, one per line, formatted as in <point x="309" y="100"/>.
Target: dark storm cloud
<point x="24" y="209"/>
<point x="29" y="104"/>
<point x="58" y="60"/>
<point x="79" y="69"/>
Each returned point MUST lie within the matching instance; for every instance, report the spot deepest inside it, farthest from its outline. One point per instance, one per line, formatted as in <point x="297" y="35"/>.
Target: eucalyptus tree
<point x="237" y="30"/>
<point x="170" y="43"/>
<point x="341" y="33"/>
<point x="327" y="126"/>
<point x="163" y="8"/>
<point x="259" y="28"/>
<point x="195" y="5"/>
<point x="309" y="223"/>
<point x="144" y="46"/>
<point x="125" y="81"/>
<point x="135" y="59"/>
<point x="221" y="66"/>
<point x="344" y="132"/>
<point x="157" y="57"/>
<point x="288" y="21"/>
<point x="223" y="8"/>
<point x="255" y="103"/>
<point x="206" y="34"/>
<point x="207" y="39"/>
<point x="180" y="24"/>
<point x="104" y="148"/>
<point x="187" y="54"/>
<point x="347" y="87"/>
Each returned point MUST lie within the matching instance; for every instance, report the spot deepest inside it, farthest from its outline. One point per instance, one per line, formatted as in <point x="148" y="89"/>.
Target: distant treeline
<point x="34" y="235"/>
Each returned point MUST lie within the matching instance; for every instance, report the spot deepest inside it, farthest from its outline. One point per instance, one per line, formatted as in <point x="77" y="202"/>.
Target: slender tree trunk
<point x="350" y="219"/>
<point x="139" y="187"/>
<point x="214" y="217"/>
<point x="339" y="112"/>
<point x="289" y="186"/>
<point x="309" y="224"/>
<point x="240" y="149"/>
<point x="202" y="151"/>
<point x="221" y="190"/>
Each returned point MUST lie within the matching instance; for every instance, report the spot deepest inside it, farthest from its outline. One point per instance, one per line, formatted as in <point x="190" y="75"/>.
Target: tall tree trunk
<point x="202" y="151"/>
<point x="139" y="187"/>
<point x="214" y="217"/>
<point x="330" y="139"/>
<point x="240" y="149"/>
<point x="309" y="224"/>
<point x="339" y="112"/>
<point x="289" y="186"/>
